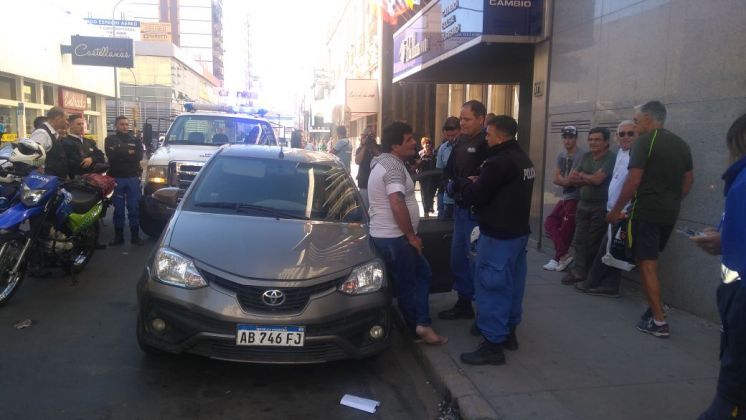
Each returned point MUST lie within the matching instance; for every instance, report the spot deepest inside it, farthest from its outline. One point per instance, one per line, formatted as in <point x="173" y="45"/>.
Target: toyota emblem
<point x="273" y="297"/>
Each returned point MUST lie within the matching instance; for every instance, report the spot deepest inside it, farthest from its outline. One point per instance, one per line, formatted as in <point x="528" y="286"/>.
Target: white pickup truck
<point x="190" y="141"/>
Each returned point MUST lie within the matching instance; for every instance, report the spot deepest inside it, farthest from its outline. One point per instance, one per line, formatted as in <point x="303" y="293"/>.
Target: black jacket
<point x="77" y="150"/>
<point x="501" y="196"/>
<point x="466" y="156"/>
<point x="55" y="162"/>
<point x="124" y="153"/>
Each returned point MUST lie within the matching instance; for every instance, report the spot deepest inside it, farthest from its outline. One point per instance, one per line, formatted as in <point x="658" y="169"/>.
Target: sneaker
<point x="602" y="291"/>
<point x="486" y="354"/>
<point x="650" y="327"/>
<point x="563" y="264"/>
<point x="551" y="265"/>
<point x="570" y="279"/>
<point x="648" y="314"/>
<point x="580" y="287"/>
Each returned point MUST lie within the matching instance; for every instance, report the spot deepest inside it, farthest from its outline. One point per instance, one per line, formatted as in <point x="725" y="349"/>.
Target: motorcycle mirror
<point x="168" y="196"/>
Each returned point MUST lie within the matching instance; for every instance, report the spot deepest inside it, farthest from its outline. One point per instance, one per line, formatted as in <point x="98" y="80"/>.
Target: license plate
<point x="270" y="335"/>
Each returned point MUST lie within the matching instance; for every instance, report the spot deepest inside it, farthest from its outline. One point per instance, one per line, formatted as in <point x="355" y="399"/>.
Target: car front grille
<point x="181" y="174"/>
<point x="310" y="352"/>
<point x="250" y="297"/>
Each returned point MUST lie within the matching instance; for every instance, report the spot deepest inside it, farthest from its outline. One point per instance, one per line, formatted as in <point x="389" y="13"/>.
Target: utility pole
<point x="116" y="71"/>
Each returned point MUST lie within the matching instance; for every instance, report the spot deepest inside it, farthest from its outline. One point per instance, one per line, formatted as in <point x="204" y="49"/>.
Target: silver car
<point x="266" y="259"/>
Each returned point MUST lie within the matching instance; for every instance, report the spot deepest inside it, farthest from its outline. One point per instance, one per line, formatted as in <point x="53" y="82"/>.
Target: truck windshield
<point x="218" y="130"/>
<point x="276" y="188"/>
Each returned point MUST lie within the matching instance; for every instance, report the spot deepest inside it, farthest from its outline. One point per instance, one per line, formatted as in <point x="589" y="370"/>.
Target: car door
<point x="436" y="238"/>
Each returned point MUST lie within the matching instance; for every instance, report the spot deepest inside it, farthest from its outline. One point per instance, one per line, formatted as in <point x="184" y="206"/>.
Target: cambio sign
<point x="106" y="52"/>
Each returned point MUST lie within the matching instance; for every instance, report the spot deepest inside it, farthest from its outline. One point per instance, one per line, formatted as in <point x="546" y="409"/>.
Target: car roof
<point x="273" y="152"/>
<point x="222" y="114"/>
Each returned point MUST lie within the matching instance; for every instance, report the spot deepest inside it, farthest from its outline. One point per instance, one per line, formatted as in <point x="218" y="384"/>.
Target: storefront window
<point x="29" y="92"/>
<point x="91" y="127"/>
<point x="31" y="115"/>
<point x="90" y="103"/>
<point x="48" y="93"/>
<point x="9" y="119"/>
<point x="7" y="88"/>
<point x="456" y="98"/>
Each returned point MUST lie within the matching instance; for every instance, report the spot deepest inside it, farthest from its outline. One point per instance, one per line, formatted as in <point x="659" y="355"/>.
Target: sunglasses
<point x="626" y="134"/>
<point x="448" y="128"/>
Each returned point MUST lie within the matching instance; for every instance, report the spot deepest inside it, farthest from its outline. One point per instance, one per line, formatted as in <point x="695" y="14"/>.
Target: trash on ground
<point x="23" y="324"/>
<point x="360" y="403"/>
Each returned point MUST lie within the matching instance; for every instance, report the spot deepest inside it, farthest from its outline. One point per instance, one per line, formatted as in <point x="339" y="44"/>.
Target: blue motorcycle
<point x="48" y="224"/>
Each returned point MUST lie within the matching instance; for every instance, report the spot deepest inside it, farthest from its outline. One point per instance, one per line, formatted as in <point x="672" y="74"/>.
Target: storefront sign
<point x="106" y="52"/>
<point x="361" y="95"/>
<point x="124" y="28"/>
<point x="445" y="25"/>
<point x="155" y="31"/>
<point x="73" y="100"/>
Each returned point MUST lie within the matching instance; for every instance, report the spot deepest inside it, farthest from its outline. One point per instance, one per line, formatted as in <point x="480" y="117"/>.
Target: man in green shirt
<point x="592" y="174"/>
<point x="660" y="176"/>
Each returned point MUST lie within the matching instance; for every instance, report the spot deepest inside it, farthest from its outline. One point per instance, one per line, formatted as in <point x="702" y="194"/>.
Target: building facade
<point x="35" y="75"/>
<point x="589" y="65"/>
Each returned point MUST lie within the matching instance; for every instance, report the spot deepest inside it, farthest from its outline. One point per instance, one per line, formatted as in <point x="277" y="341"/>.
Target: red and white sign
<point x="73" y="100"/>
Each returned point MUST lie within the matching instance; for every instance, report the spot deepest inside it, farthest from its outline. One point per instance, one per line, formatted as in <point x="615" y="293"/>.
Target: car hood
<point x="180" y="152"/>
<point x="267" y="248"/>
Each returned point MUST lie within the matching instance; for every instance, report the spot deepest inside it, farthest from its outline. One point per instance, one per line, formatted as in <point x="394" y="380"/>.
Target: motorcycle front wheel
<point x="10" y="251"/>
<point x="83" y="248"/>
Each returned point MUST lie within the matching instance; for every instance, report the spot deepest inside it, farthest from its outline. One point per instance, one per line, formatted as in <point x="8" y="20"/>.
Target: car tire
<point x="145" y="347"/>
<point x="151" y="226"/>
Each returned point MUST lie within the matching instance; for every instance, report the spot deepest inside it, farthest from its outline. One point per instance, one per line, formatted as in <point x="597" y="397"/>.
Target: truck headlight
<point x="366" y="278"/>
<point x="158" y="174"/>
<point x="31" y="197"/>
<point x="177" y="270"/>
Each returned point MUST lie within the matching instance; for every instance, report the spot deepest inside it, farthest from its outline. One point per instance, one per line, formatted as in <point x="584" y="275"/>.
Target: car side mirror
<point x="168" y="196"/>
<point x="161" y="140"/>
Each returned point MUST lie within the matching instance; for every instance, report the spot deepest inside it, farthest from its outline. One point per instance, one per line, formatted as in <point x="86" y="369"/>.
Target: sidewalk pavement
<point x="580" y="357"/>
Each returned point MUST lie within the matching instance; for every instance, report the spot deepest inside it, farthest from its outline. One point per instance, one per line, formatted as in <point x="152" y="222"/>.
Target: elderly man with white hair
<point x="602" y="279"/>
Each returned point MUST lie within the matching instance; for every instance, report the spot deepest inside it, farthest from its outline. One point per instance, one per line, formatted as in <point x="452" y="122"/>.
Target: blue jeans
<point x="412" y="276"/>
<point x="500" y="281"/>
<point x="127" y="193"/>
<point x="463" y="276"/>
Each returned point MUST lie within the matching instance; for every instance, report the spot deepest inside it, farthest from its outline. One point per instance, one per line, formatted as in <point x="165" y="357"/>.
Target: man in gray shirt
<point x="560" y="224"/>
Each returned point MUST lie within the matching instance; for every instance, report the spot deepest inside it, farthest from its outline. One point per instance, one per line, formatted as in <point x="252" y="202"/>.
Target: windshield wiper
<point x="244" y="207"/>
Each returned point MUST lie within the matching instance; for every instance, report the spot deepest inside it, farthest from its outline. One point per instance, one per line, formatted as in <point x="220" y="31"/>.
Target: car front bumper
<point x="204" y="322"/>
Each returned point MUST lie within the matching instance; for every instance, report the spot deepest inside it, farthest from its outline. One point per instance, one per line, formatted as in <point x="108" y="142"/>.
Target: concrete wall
<point x="608" y="55"/>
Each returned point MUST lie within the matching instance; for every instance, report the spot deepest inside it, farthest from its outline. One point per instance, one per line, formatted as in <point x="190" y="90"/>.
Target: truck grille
<point x="181" y="174"/>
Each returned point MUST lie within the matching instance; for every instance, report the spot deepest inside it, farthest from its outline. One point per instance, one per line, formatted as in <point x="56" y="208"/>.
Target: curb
<point x="448" y="378"/>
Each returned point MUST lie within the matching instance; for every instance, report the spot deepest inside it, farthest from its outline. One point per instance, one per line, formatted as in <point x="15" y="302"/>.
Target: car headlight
<point x="31" y="197"/>
<point x="158" y="174"/>
<point x="177" y="270"/>
<point x="366" y="278"/>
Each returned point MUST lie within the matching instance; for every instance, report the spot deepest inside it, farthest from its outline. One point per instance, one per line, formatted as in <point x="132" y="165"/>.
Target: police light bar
<point x="195" y="106"/>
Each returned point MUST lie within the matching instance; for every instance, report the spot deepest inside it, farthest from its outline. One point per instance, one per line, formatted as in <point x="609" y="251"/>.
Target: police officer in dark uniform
<point x="125" y="152"/>
<point x="501" y="198"/>
<point x="468" y="153"/>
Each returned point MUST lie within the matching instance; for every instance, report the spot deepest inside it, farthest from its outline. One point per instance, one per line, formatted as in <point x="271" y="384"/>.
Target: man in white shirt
<point x="55" y="162"/>
<point x="394" y="217"/>
<point x="603" y="280"/>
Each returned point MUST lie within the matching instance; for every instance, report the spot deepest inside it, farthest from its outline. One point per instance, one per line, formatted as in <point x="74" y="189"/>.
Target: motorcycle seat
<point x="83" y="200"/>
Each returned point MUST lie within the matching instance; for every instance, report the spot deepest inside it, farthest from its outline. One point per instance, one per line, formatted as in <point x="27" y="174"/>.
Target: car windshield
<point x="218" y="130"/>
<point x="276" y="188"/>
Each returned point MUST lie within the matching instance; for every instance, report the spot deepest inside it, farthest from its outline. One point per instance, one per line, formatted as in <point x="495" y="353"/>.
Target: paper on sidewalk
<point x="363" y="404"/>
